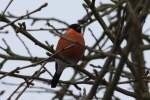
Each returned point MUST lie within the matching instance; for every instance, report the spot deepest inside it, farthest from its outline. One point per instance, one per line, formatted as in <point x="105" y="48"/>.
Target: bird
<point x="71" y="47"/>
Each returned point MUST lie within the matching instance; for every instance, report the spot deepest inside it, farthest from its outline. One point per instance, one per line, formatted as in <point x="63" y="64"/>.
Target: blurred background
<point x="60" y="14"/>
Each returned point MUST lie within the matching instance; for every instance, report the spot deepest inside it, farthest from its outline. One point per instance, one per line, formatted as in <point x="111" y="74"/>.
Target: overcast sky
<point x="69" y="11"/>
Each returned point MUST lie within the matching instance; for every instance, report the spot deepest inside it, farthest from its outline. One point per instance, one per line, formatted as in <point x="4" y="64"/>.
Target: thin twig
<point x="36" y="10"/>
<point x="7" y="7"/>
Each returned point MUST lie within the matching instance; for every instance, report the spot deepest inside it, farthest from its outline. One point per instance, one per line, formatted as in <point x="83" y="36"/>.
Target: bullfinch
<point x="71" y="47"/>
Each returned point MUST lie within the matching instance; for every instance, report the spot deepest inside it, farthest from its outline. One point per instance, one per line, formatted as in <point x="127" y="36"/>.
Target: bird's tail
<point x="55" y="79"/>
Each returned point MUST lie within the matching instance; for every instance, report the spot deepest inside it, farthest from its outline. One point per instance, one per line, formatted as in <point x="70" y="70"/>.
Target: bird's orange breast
<point x="71" y="45"/>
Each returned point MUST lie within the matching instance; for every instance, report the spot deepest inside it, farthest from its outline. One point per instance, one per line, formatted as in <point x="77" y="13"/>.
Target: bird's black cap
<point x="76" y="27"/>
